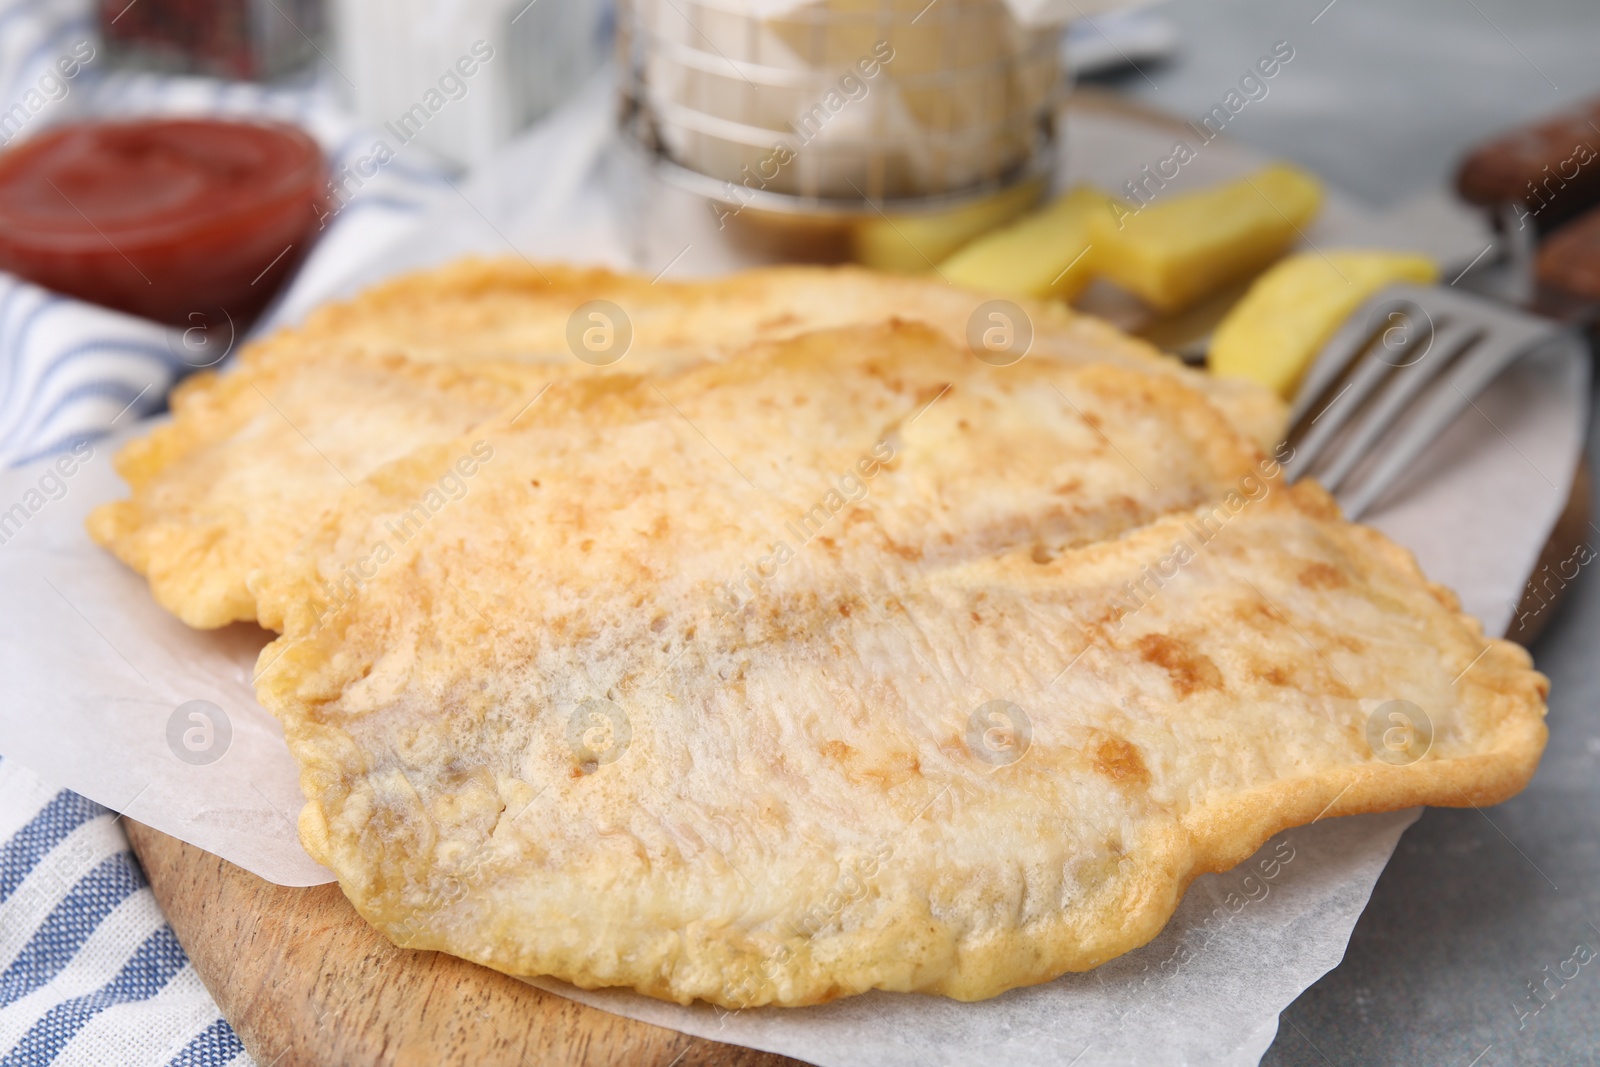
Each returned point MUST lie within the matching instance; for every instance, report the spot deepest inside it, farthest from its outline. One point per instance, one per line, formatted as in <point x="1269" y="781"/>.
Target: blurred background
<point x="487" y="106"/>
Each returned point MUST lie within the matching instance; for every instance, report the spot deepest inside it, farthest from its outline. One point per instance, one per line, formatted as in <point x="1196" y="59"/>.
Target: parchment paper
<point x="1207" y="991"/>
<point x="95" y="674"/>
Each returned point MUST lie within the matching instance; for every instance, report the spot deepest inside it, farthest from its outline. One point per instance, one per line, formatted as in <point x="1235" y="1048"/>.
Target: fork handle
<point x="1551" y="167"/>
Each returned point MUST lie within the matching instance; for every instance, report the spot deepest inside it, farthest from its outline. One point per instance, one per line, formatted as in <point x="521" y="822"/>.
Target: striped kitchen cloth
<point x="90" y="973"/>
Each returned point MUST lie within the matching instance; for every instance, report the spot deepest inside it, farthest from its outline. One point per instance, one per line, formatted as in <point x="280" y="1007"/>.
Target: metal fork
<point x="1396" y="374"/>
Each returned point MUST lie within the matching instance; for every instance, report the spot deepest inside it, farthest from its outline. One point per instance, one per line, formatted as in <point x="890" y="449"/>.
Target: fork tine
<point x="1354" y="338"/>
<point x="1403" y="386"/>
<point x="1327" y="423"/>
<point x="1469" y="377"/>
<point x="1347" y="343"/>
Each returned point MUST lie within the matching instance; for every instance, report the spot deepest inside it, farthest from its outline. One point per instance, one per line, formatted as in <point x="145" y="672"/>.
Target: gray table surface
<point x="1382" y="97"/>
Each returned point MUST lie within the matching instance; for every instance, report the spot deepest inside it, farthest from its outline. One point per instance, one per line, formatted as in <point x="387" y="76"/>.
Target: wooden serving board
<point x="305" y="982"/>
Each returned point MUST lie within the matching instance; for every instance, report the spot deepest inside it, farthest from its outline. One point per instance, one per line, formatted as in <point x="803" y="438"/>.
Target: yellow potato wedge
<point x="1176" y="250"/>
<point x="1275" y="331"/>
<point x="1040" y="255"/>
<point x="915" y="244"/>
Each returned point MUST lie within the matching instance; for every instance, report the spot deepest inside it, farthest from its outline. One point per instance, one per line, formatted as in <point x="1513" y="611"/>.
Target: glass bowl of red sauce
<point x="181" y="220"/>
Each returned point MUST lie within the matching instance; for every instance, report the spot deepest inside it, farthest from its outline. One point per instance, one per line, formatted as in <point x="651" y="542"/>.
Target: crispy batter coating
<point x="252" y="458"/>
<point x="852" y="663"/>
<point x="254" y="455"/>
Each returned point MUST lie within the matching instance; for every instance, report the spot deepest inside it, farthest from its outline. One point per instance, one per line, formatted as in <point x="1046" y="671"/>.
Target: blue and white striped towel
<point x="90" y="973"/>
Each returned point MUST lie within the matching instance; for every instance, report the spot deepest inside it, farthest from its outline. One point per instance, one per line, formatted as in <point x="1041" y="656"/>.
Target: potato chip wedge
<point x="1182" y="246"/>
<point x="1276" y="330"/>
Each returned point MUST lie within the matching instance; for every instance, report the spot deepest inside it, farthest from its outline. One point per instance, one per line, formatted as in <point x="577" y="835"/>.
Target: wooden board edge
<point x="306" y="983"/>
<point x="1558" y="564"/>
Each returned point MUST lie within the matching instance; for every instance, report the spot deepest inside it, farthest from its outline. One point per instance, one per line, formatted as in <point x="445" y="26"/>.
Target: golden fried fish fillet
<point x="242" y="470"/>
<point x="853" y="663"/>
<point x="252" y="458"/>
<point x="515" y="310"/>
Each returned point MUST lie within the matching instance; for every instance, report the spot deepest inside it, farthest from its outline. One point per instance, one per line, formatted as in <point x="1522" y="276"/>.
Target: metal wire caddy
<point x="839" y="108"/>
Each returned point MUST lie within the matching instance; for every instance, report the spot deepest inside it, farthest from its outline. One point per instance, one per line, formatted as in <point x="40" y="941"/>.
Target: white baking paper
<point x="1208" y="990"/>
<point x="95" y="672"/>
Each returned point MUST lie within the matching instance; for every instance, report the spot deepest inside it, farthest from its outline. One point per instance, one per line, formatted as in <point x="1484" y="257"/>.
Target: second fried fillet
<point x="255" y="454"/>
<point x="510" y="309"/>
<point x="251" y="459"/>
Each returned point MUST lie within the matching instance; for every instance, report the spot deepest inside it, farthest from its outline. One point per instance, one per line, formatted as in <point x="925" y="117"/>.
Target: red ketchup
<point x="178" y="220"/>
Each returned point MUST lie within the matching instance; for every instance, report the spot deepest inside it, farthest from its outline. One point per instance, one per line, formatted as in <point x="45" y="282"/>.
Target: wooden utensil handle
<point x="1569" y="260"/>
<point x="1565" y="551"/>
<point x="1551" y="167"/>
